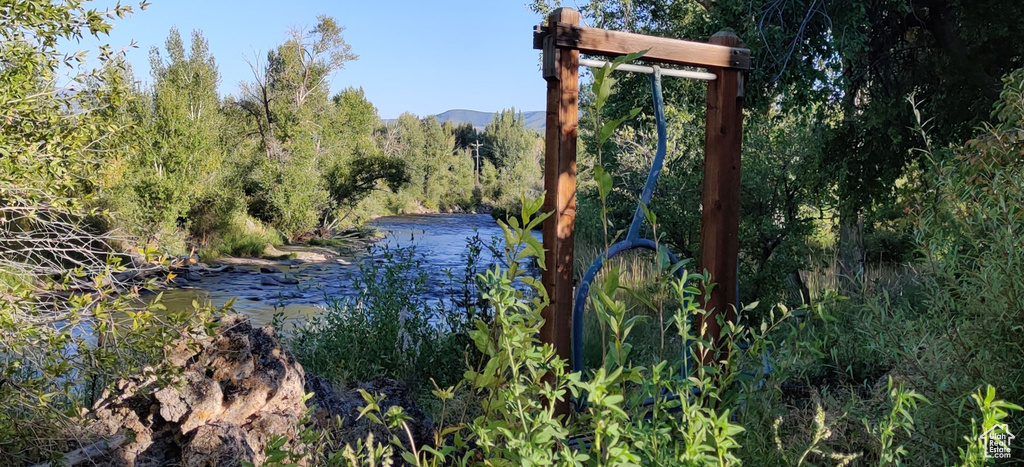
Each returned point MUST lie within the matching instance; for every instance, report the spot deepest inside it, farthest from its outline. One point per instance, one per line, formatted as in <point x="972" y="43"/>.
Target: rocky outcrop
<point x="236" y="390"/>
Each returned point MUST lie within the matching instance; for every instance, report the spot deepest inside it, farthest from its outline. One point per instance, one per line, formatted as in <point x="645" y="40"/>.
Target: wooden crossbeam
<point x="596" y="41"/>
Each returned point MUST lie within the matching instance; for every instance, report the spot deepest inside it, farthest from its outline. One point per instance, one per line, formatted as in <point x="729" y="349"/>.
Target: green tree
<point x="440" y="176"/>
<point x="164" y="176"/>
<point x="185" y="159"/>
<point x="515" y="152"/>
<point x="406" y="139"/>
<point x="949" y="53"/>
<point x="358" y="165"/>
<point x="438" y="146"/>
<point x="57" y="303"/>
<point x="285" y="106"/>
<point x="465" y="135"/>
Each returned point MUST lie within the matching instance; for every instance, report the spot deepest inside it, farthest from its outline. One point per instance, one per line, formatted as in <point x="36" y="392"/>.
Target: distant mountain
<point x="534" y="120"/>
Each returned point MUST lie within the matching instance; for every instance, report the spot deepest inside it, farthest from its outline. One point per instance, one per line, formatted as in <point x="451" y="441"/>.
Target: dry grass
<point x="823" y="275"/>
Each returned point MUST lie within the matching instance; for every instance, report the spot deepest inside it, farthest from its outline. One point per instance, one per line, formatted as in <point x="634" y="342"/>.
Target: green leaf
<point x="276" y="457"/>
<point x="602" y="86"/>
<point x="610" y="126"/>
<point x="629" y="58"/>
<point x="604" y="181"/>
<point x="611" y="281"/>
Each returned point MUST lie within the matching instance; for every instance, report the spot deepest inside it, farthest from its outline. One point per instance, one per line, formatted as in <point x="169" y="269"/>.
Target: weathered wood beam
<point x="596" y="41"/>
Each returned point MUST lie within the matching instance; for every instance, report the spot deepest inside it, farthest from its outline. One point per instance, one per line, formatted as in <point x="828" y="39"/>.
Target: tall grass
<point x="822" y="275"/>
<point x="635" y="271"/>
<point x="244" y="237"/>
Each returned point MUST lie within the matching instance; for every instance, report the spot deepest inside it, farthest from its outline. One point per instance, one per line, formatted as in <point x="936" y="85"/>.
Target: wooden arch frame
<point x="562" y="40"/>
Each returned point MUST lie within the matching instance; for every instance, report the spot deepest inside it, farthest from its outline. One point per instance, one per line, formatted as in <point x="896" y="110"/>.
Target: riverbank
<point x="346" y="244"/>
<point x="295" y="282"/>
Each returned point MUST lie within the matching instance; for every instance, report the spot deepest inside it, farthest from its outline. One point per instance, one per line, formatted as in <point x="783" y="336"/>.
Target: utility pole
<point x="476" y="146"/>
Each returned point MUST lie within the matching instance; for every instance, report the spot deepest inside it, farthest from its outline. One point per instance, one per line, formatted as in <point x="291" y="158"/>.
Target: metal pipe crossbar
<point x="689" y="74"/>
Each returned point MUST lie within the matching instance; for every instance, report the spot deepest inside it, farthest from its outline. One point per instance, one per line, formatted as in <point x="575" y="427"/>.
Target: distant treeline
<point x="284" y="158"/>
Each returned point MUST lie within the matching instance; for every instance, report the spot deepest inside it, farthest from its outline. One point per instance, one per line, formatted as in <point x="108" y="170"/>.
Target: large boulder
<point x="235" y="392"/>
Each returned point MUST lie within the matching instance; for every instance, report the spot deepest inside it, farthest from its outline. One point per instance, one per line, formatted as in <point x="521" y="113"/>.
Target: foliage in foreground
<point x="641" y="414"/>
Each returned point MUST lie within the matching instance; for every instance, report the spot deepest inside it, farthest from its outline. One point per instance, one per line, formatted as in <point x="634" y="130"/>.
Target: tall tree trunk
<point x="851" y="253"/>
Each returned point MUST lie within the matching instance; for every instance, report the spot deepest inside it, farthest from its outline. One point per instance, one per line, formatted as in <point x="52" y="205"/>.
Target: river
<point x="439" y="242"/>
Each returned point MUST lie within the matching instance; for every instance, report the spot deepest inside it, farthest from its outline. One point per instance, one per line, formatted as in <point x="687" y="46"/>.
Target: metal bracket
<point x="550" y="58"/>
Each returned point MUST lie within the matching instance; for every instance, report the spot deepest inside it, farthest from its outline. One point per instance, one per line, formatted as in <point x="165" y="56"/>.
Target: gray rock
<point x="193" y="276"/>
<point x="269" y="270"/>
<point x="237" y="390"/>
<point x="278" y="279"/>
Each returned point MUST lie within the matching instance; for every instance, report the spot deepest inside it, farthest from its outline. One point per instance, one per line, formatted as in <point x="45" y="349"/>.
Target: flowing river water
<point x="439" y="240"/>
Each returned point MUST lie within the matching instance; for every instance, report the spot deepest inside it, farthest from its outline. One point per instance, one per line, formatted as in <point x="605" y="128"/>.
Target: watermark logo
<point x="997" y="441"/>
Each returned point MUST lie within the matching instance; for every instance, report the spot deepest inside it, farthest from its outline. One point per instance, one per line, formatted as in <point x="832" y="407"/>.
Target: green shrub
<point x="211" y="215"/>
<point x="391" y="328"/>
<point x="243" y="237"/>
<point x="969" y="232"/>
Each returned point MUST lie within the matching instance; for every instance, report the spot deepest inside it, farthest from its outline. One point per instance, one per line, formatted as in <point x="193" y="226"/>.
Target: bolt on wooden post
<point x="562" y="41"/>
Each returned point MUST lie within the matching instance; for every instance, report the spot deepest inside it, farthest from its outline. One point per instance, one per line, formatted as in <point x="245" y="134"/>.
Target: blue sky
<point x="421" y="56"/>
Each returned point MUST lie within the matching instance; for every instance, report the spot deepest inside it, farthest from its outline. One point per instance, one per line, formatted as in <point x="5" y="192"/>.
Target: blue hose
<point x="632" y="240"/>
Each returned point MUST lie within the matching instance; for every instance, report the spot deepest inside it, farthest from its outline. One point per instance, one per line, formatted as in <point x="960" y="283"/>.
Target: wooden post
<point x="719" y="231"/>
<point x="561" y="70"/>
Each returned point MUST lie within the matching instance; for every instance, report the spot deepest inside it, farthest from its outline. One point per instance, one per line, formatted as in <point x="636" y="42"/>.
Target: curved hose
<point x="633" y="239"/>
